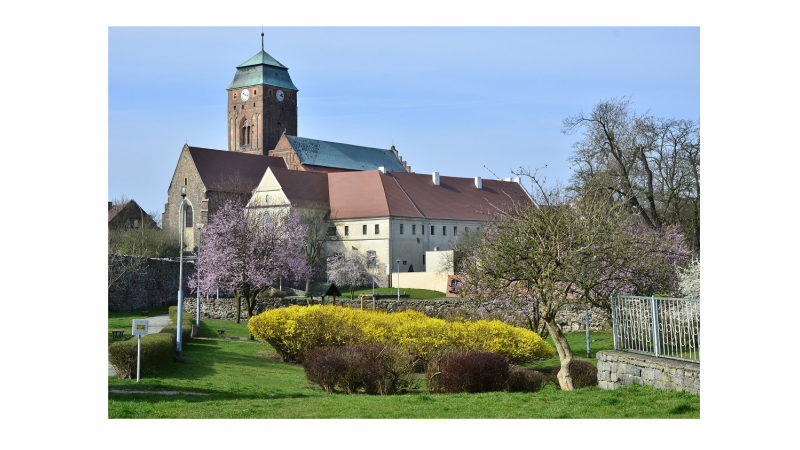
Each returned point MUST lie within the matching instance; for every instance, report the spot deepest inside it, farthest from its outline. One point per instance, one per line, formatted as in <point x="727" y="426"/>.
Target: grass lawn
<point x="413" y="293"/>
<point x="239" y="377"/>
<point x="124" y="320"/>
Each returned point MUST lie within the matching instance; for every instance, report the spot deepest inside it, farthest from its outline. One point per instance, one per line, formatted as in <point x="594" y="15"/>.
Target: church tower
<point x="262" y="103"/>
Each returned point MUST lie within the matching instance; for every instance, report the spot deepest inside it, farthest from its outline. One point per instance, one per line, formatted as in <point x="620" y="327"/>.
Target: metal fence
<point x="665" y="327"/>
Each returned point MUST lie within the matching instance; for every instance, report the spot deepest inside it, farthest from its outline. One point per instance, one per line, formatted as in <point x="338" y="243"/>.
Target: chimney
<point x="382" y="169"/>
<point x="507" y="179"/>
<point x="435" y="178"/>
<point x="517" y="180"/>
<point x="109" y="206"/>
<point x="478" y="183"/>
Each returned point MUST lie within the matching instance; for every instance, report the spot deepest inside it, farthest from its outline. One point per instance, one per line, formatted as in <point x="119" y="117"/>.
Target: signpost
<point x="139" y="329"/>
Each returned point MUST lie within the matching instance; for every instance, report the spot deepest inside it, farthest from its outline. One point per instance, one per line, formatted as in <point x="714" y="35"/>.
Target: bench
<point x="221" y="332"/>
<point x="144" y="313"/>
<point x="117" y="333"/>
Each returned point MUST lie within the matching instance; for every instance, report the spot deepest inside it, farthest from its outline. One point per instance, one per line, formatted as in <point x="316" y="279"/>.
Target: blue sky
<point x="456" y="100"/>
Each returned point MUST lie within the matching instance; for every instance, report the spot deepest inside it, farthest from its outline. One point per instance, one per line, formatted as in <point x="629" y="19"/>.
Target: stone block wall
<point x="570" y="319"/>
<point x="616" y="369"/>
<point x="154" y="284"/>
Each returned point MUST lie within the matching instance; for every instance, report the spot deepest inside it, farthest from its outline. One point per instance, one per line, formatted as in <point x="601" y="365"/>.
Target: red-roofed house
<point x="396" y="215"/>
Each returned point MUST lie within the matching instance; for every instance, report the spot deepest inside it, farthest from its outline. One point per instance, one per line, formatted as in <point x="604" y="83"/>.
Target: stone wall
<point x="570" y="319"/>
<point x="616" y="369"/>
<point x="154" y="284"/>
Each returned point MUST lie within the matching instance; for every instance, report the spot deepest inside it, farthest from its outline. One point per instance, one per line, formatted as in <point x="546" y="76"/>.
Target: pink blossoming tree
<point x="245" y="251"/>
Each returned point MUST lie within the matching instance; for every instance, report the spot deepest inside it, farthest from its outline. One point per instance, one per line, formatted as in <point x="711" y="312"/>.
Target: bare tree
<point x="651" y="164"/>
<point x="315" y="219"/>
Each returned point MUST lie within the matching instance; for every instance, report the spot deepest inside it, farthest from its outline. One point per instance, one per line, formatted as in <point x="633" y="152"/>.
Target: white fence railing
<point x="666" y="327"/>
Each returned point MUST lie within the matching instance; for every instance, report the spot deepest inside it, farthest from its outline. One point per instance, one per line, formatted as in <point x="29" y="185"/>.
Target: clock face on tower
<point x="279" y="95"/>
<point x="245" y="94"/>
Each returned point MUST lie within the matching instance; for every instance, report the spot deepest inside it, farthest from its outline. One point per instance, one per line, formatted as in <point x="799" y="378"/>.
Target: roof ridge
<point x="406" y="194"/>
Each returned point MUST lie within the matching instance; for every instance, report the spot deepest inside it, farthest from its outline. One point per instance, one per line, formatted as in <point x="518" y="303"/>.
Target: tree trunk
<point x="564" y="354"/>
<point x="238" y="301"/>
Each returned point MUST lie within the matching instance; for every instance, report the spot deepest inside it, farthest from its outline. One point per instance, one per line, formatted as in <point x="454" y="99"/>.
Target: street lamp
<point x="199" y="240"/>
<point x="181" y="219"/>
<point x="398" y="280"/>
<point x="373" y="281"/>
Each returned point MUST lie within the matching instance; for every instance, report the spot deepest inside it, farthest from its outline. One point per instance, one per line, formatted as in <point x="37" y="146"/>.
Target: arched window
<point x="245" y="137"/>
<point x="189" y="218"/>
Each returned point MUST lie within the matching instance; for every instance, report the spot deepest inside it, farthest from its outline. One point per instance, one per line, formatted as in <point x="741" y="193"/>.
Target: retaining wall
<point x="616" y="369"/>
<point x="570" y="319"/>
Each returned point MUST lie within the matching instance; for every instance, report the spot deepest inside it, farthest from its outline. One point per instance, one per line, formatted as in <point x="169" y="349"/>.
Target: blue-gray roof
<point x="262" y="69"/>
<point x="344" y="156"/>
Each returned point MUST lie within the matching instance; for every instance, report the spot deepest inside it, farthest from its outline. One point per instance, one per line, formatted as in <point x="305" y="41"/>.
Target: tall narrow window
<point x="444" y="230"/>
<point x="245" y="137"/>
<point x="423" y="258"/>
<point x="455" y="231"/>
<point x="189" y="216"/>
<point x="363" y="229"/>
<point x="346" y="230"/>
<point x="377" y="229"/>
<point x="413" y="229"/>
<point x="432" y="231"/>
<point x="401" y="228"/>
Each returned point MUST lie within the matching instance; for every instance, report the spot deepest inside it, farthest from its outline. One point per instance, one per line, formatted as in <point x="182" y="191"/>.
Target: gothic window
<point x="189" y="216"/>
<point x="245" y="138"/>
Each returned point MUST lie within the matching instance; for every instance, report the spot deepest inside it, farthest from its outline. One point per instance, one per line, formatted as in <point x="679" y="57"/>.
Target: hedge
<point x="295" y="330"/>
<point x="158" y="350"/>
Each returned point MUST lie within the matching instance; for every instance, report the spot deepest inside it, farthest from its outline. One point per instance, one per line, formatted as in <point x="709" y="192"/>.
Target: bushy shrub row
<point x="296" y="330"/>
<point x="481" y="372"/>
<point x="372" y="369"/>
<point x="158" y="349"/>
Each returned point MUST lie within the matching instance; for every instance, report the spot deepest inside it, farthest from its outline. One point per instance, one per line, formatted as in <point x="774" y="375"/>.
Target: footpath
<point x="154" y="325"/>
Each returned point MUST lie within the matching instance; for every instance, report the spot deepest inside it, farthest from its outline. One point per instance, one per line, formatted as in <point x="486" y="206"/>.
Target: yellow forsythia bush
<point x="295" y="330"/>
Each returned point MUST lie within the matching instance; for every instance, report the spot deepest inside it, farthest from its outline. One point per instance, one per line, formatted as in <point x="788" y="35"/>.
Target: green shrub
<point x="525" y="380"/>
<point x="372" y="369"/>
<point x="470" y="372"/>
<point x="172" y="329"/>
<point x="158" y="350"/>
<point x="583" y="374"/>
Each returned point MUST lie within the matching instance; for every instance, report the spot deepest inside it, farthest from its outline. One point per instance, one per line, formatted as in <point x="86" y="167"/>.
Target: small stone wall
<point x="154" y="283"/>
<point x="570" y="319"/>
<point x="616" y="369"/>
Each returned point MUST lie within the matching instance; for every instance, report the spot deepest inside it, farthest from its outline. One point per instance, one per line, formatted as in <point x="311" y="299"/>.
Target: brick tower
<point x="262" y="103"/>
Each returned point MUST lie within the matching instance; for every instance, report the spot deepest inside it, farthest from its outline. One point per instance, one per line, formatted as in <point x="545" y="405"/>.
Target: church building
<point x="372" y="201"/>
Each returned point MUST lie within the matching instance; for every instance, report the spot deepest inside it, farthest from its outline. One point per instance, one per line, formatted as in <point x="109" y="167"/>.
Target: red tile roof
<point x="225" y="171"/>
<point x="115" y="209"/>
<point x="304" y="189"/>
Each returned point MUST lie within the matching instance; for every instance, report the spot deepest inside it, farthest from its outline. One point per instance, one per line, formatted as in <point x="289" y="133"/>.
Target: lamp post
<point x="199" y="240"/>
<point x="398" y="280"/>
<point x="373" y="281"/>
<point x="179" y="340"/>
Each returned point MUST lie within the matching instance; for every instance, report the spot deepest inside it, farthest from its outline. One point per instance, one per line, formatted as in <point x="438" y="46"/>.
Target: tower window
<point x="255" y="92"/>
<point x="245" y="137"/>
<point x="234" y="96"/>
